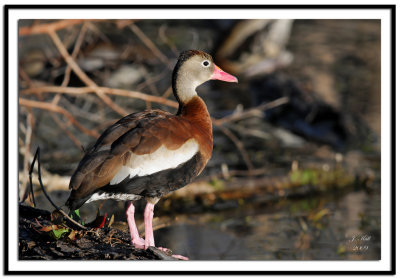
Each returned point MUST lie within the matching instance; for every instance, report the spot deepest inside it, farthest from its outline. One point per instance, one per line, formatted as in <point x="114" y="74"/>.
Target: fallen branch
<point x="234" y="173"/>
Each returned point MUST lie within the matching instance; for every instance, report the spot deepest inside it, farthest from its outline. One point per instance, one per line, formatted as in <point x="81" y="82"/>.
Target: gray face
<point x="199" y="67"/>
<point x="193" y="72"/>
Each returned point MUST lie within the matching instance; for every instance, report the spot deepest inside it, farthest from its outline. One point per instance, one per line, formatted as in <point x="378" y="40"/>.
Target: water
<point x="329" y="228"/>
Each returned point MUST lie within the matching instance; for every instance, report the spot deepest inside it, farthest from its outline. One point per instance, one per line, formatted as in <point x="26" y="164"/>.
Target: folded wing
<point x="139" y="144"/>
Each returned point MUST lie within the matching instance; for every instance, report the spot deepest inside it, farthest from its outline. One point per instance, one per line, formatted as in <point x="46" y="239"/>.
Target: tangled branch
<point x="111" y="91"/>
<point x="37" y="156"/>
<point x="54" y="26"/>
<point x="58" y="109"/>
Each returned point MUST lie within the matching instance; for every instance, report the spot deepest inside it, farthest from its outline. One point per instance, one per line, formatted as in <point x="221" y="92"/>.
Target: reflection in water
<point x="347" y="228"/>
<point x="202" y="242"/>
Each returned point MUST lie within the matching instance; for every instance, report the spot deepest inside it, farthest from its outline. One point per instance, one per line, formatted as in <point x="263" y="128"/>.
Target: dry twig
<point x="27" y="146"/>
<point x="82" y="75"/>
<point x="238" y="144"/>
<point x="75" y="52"/>
<point x="54" y="108"/>
<point x="65" y="82"/>
<point x="111" y="91"/>
<point x="53" y="26"/>
<point x="251" y="112"/>
<point x="25" y="76"/>
<point x="63" y="127"/>
<point x="149" y="44"/>
<point x="242" y="115"/>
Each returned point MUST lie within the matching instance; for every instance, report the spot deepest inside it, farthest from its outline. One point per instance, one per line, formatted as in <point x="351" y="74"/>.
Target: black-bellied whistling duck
<point x="149" y="154"/>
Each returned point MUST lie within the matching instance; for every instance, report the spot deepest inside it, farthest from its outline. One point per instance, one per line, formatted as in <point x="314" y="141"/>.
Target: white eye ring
<point x="205" y="63"/>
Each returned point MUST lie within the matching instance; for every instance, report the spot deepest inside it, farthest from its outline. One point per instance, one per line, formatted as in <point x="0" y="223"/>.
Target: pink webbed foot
<point x="138" y="243"/>
<point x="179" y="257"/>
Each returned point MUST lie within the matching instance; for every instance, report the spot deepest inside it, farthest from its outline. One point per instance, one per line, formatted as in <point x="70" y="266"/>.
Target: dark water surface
<point x="320" y="228"/>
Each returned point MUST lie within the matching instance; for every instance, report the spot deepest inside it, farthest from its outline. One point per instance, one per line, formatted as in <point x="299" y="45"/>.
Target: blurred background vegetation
<point x="295" y="172"/>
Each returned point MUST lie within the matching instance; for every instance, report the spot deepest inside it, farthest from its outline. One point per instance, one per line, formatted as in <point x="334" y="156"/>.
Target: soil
<point x="94" y="244"/>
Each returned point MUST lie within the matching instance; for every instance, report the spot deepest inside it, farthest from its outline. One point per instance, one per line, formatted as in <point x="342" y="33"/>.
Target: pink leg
<point x="148" y="230"/>
<point x="135" y="238"/>
<point x="148" y="225"/>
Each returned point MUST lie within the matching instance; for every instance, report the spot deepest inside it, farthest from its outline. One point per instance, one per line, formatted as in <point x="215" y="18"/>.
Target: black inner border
<point x="392" y="271"/>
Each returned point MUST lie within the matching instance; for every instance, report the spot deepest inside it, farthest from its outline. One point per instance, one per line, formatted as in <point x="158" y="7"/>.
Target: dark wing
<point x="135" y="134"/>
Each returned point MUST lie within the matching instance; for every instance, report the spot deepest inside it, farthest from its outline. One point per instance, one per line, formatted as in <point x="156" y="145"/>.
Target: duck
<point x="148" y="154"/>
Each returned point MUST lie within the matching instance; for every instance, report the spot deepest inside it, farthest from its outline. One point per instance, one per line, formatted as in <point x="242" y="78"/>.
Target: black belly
<point x="155" y="185"/>
<point x="160" y="183"/>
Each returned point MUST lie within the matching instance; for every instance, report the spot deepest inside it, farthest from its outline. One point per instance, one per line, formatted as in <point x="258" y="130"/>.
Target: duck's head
<point x="193" y="68"/>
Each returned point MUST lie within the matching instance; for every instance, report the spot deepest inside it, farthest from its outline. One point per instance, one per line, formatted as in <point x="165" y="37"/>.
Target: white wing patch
<point x="159" y="160"/>
<point x="123" y="172"/>
<point x="114" y="196"/>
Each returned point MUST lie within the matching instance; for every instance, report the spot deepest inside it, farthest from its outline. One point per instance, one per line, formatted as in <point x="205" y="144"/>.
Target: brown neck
<point x="196" y="112"/>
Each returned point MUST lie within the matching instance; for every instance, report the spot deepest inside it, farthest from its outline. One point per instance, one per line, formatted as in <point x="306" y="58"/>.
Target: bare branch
<point x="45" y="27"/>
<point x="99" y="33"/>
<point x="242" y="115"/>
<point x="238" y="144"/>
<point x="54" y="108"/>
<point x="251" y="112"/>
<point x="149" y="44"/>
<point x="111" y="91"/>
<point x="63" y="127"/>
<point x="25" y="76"/>
<point x="82" y="75"/>
<point x="27" y="146"/>
<point x="75" y="52"/>
<point x="167" y="92"/>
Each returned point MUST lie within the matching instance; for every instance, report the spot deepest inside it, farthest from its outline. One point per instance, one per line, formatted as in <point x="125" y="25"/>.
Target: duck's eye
<point x="205" y="63"/>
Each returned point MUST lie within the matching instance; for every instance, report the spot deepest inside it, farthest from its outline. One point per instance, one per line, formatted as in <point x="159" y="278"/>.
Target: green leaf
<point x="77" y="217"/>
<point x="57" y="234"/>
